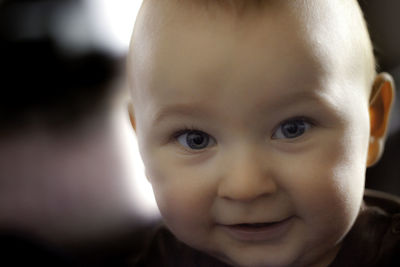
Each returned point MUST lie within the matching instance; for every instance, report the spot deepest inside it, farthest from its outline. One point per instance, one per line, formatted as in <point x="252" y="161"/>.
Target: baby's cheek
<point x="184" y="214"/>
<point x="184" y="195"/>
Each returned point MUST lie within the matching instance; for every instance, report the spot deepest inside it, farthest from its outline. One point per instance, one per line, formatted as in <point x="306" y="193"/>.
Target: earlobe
<point x="131" y="116"/>
<point x="381" y="100"/>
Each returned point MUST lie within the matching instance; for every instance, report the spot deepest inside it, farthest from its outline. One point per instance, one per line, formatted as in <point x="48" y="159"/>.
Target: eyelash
<point x="186" y="129"/>
<point x="310" y="122"/>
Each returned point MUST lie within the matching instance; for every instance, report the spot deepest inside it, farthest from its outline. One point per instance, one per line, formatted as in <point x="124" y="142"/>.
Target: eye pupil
<point x="197" y="140"/>
<point x="293" y="129"/>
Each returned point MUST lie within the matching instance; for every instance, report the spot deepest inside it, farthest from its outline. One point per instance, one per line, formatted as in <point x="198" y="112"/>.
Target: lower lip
<point x="259" y="234"/>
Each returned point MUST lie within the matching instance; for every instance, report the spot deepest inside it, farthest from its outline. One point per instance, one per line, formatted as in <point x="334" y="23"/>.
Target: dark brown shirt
<point x="375" y="237"/>
<point x="373" y="241"/>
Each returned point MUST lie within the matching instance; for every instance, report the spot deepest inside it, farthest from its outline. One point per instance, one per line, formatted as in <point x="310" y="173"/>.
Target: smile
<point x="259" y="232"/>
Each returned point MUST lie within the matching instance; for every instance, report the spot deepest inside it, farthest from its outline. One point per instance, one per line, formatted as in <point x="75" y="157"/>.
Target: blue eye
<point x="291" y="129"/>
<point x="196" y="140"/>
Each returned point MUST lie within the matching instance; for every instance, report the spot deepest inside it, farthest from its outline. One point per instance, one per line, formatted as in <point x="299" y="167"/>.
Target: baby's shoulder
<point x="388" y="208"/>
<point x="374" y="239"/>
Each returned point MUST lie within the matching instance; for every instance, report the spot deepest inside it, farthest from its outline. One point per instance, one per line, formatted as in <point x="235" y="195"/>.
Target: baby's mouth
<point x="259" y="232"/>
<point x="253" y="226"/>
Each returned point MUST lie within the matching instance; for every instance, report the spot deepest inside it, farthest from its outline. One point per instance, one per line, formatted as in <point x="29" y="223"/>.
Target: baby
<point x="256" y="121"/>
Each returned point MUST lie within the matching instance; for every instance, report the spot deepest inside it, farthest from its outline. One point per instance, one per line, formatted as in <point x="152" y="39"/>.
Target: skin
<point x="240" y="81"/>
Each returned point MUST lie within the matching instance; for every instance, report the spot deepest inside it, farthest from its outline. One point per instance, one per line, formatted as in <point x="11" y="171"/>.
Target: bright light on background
<point x="113" y="21"/>
<point x="112" y="25"/>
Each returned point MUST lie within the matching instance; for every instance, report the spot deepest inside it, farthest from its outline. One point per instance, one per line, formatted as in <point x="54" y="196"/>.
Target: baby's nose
<point x="247" y="176"/>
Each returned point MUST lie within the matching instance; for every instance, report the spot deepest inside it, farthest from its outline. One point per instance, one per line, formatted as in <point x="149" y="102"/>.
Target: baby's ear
<point x="131" y="116"/>
<point x="380" y="104"/>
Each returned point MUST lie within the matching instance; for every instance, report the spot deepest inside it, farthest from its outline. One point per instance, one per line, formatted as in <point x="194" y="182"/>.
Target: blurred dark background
<point x="384" y="25"/>
<point x="44" y="80"/>
<point x="66" y="168"/>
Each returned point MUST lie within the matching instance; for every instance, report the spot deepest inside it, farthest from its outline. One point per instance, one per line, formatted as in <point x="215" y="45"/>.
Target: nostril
<point x="248" y="190"/>
<point x="247" y="177"/>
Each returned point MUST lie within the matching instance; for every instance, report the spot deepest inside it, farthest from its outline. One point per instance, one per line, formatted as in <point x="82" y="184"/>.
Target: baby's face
<point x="253" y="133"/>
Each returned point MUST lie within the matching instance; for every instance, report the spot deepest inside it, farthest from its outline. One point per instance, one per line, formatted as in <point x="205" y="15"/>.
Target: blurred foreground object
<point x="66" y="174"/>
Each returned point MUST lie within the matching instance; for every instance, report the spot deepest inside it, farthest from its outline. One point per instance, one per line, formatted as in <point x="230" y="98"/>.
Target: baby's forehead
<point x="171" y="32"/>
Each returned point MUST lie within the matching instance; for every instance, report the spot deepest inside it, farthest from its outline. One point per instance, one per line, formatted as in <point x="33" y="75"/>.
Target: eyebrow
<point x="181" y="109"/>
<point x="292" y="99"/>
<point x="301" y="97"/>
<point x="273" y="104"/>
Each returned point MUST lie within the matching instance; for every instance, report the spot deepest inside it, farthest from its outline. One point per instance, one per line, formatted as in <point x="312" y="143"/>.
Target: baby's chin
<point x="250" y="258"/>
<point x="250" y="261"/>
